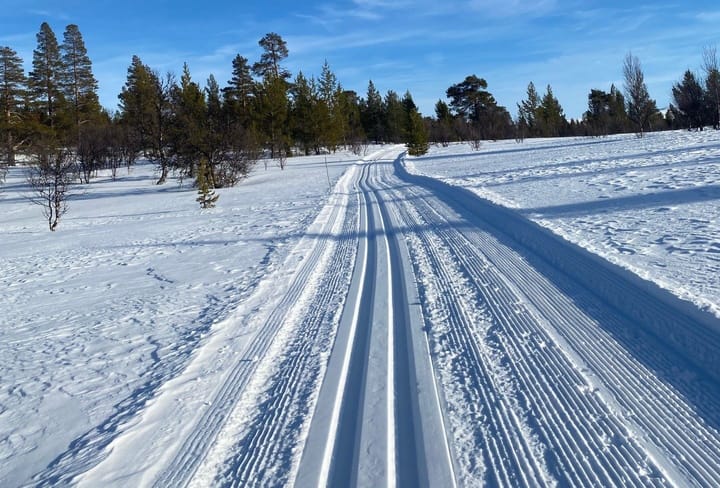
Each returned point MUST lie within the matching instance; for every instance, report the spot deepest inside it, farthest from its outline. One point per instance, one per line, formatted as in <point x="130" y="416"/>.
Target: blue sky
<point x="422" y="46"/>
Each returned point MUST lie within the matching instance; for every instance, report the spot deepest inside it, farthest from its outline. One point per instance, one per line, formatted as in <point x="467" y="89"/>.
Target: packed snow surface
<point x="650" y="204"/>
<point x="531" y="314"/>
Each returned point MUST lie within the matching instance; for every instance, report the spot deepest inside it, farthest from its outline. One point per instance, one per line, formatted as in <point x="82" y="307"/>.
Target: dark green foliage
<point x="690" y="100"/>
<point x="372" y="114"/>
<point x="206" y="195"/>
<point x="12" y="93"/>
<point x="46" y="77"/>
<point x="549" y="116"/>
<point x="274" y="51"/>
<point x="484" y="118"/>
<point x="78" y="82"/>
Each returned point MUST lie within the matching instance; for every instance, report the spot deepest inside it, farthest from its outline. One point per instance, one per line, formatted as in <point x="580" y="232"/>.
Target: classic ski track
<point x="196" y="445"/>
<point x="265" y="444"/>
<point x="351" y="423"/>
<point x="572" y="380"/>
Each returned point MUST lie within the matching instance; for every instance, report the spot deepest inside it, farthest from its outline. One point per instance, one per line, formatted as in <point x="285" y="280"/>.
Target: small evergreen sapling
<point x="206" y="195"/>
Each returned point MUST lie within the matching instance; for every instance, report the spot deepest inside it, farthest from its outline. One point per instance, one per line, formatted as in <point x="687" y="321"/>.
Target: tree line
<point x="214" y="134"/>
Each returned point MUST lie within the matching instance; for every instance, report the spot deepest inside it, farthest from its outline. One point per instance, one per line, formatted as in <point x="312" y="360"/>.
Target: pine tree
<point x="206" y="195"/>
<point x="145" y="109"/>
<point x="13" y="86"/>
<point x="306" y="128"/>
<point x="274" y="51"/>
<point x="78" y="83"/>
<point x="45" y="80"/>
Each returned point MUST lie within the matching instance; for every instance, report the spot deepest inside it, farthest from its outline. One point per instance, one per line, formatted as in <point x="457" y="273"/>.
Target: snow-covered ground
<point x="383" y="328"/>
<point x="98" y="315"/>
<point x="651" y="205"/>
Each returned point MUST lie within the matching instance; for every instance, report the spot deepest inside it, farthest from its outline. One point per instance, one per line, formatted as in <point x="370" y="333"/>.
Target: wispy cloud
<point x="512" y="8"/>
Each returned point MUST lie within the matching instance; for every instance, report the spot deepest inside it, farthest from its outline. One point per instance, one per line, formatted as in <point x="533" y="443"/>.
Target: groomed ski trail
<point x="420" y="336"/>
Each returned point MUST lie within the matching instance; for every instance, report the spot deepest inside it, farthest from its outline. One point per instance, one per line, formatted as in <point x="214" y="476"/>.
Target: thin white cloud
<point x="512" y="8"/>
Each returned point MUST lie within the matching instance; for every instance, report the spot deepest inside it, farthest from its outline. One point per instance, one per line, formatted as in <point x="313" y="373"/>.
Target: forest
<point x="214" y="134"/>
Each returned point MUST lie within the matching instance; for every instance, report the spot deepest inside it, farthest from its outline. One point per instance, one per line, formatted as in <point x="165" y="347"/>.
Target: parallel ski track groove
<point x="667" y="422"/>
<point x="191" y="453"/>
<point x="586" y="471"/>
<point x="264" y="442"/>
<point x="506" y="430"/>
<point x="345" y="450"/>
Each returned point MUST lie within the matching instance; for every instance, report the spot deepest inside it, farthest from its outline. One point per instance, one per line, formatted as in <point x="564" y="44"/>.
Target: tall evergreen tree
<point x="189" y="135"/>
<point x="145" y="105"/>
<point x="78" y="82"/>
<point x="240" y="91"/>
<point x="332" y="121"/>
<point x="274" y="52"/>
<point x="442" y="126"/>
<point x="550" y="117"/>
<point x="13" y="85"/>
<point x="306" y="126"/>
<point x="690" y="100"/>
<point x="372" y="111"/>
<point x="395" y="120"/>
<point x="45" y="79"/>
<point x="527" y="112"/>
<point x="597" y="116"/>
<point x="640" y="107"/>
<point x="476" y="105"/>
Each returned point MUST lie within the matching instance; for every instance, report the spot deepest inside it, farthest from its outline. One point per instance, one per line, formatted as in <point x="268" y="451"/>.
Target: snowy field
<point x="651" y="205"/>
<point x="371" y="325"/>
<point x="99" y="314"/>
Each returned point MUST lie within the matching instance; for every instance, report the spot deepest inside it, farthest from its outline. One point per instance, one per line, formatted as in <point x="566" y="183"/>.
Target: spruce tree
<point x="415" y="131"/>
<point x="395" y="120"/>
<point x="551" y="119"/>
<point x="690" y="100"/>
<point x="12" y="92"/>
<point x="371" y="113"/>
<point x="240" y="90"/>
<point x="206" y="195"/>
<point x="188" y="135"/>
<point x="45" y="79"/>
<point x="527" y="112"/>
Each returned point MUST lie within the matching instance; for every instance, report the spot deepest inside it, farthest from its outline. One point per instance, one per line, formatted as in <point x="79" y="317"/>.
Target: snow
<point x="532" y="314"/>
<point x="649" y="204"/>
<point x="98" y="315"/>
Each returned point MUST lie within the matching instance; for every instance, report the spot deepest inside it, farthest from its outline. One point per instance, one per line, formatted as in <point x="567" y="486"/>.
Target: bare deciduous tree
<point x="712" y="81"/>
<point x="640" y="107"/>
<point x="50" y="179"/>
